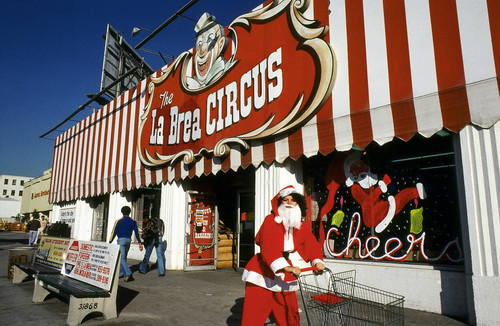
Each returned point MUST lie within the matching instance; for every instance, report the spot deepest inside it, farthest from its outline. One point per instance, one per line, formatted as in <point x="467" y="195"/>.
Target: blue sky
<point x="51" y="55"/>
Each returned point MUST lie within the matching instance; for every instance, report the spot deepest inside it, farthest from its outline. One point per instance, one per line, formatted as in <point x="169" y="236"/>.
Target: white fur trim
<point x="382" y="186"/>
<point x="278" y="219"/>
<point x="421" y="191"/>
<point x="287" y="191"/>
<point x="278" y="264"/>
<point x="390" y="215"/>
<point x="276" y="285"/>
<point x="317" y="261"/>
<point x="349" y="182"/>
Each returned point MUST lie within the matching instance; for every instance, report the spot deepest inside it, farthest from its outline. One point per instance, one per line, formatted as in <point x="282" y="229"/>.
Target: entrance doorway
<point x="235" y="204"/>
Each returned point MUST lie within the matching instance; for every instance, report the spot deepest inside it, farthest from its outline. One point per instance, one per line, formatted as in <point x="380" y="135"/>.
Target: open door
<point x="201" y="232"/>
<point x="246" y="227"/>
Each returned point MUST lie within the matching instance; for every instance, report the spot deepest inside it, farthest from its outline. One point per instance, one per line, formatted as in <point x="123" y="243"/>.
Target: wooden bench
<point x="48" y="259"/>
<point x="89" y="280"/>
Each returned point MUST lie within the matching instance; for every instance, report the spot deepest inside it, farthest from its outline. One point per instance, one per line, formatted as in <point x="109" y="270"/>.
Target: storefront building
<point x="385" y="114"/>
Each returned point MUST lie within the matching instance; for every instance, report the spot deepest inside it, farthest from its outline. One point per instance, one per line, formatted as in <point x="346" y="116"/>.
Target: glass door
<point x="201" y="231"/>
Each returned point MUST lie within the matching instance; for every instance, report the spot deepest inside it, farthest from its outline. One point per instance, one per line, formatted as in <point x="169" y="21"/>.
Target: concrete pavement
<point x="179" y="298"/>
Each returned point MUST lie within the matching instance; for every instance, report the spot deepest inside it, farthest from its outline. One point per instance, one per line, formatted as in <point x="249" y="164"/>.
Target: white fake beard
<point x="291" y="215"/>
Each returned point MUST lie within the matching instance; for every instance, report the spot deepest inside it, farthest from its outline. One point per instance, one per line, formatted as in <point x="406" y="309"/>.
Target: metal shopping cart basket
<point x="336" y="299"/>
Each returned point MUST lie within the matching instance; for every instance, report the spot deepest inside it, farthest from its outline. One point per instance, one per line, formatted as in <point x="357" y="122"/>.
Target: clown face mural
<point x="210" y="45"/>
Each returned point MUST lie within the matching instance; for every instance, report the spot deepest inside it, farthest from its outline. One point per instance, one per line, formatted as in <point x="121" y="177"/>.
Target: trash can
<point x="19" y="255"/>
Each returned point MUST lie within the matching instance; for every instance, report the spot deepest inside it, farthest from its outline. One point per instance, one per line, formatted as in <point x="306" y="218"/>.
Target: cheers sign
<point x="267" y="74"/>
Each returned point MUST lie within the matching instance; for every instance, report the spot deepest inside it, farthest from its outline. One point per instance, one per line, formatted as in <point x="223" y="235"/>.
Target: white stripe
<point x="141" y="100"/>
<point x="343" y="133"/>
<point x="114" y="151"/>
<point x="376" y="54"/>
<point x="484" y="102"/>
<point x="83" y="159"/>
<point x="104" y="141"/>
<point x="199" y="167"/>
<point x="74" y="165"/>
<point x="79" y="160"/>
<point x="383" y="126"/>
<point x="342" y="127"/>
<point x="423" y="67"/>
<point x="89" y="164"/>
<point x="338" y="40"/>
<point x="55" y="171"/>
<point x="310" y="142"/>
<point x="131" y="140"/>
<point x="479" y="63"/>
<point x="235" y="159"/>
<point x="122" y="152"/>
<point x="94" y="154"/>
<point x="257" y="153"/>
<point x="475" y="39"/>
<point x="281" y="149"/>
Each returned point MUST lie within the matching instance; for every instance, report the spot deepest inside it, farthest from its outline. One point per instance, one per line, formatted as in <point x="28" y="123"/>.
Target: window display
<point x="396" y="202"/>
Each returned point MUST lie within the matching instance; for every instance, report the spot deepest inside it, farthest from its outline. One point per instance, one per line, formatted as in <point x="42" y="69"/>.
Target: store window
<point x="145" y="203"/>
<point x="396" y="202"/>
<point x="100" y="208"/>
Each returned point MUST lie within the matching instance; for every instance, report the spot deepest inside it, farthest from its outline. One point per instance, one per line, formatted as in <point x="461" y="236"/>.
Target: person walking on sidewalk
<point x="123" y="230"/>
<point x="152" y="235"/>
<point x="33" y="226"/>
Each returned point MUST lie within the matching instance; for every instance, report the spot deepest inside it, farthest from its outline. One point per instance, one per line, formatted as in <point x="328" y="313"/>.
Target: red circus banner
<point x="266" y="74"/>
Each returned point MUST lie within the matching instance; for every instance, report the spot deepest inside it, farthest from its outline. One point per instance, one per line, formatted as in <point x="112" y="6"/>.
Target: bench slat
<point x="72" y="287"/>
<point x="35" y="268"/>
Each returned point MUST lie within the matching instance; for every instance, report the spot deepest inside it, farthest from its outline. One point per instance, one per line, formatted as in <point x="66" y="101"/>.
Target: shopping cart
<point x="336" y="299"/>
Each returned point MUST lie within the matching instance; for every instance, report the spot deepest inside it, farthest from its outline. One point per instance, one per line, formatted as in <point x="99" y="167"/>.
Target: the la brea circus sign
<point x="267" y="74"/>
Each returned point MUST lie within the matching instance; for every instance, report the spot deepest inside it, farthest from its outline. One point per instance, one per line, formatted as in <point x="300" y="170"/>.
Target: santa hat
<point x="282" y="193"/>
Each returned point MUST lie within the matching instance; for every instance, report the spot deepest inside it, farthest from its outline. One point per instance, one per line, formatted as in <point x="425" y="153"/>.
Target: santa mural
<point x="378" y="207"/>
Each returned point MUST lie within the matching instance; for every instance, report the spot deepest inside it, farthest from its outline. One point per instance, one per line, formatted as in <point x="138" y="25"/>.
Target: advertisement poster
<point x="202" y="235"/>
<point x="68" y="217"/>
<point x="52" y="251"/>
<point x="92" y="262"/>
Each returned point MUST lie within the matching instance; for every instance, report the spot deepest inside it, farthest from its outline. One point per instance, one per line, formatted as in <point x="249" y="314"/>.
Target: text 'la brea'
<point x="266" y="82"/>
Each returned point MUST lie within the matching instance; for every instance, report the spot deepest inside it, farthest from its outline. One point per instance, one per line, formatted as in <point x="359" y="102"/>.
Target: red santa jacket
<point x="262" y="268"/>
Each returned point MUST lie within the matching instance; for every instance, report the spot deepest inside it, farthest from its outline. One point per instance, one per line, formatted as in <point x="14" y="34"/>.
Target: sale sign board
<point x="92" y="262"/>
<point x="52" y="251"/>
<point x="267" y="74"/>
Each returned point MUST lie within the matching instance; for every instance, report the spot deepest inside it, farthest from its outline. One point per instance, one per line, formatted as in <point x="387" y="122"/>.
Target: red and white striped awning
<point x="403" y="67"/>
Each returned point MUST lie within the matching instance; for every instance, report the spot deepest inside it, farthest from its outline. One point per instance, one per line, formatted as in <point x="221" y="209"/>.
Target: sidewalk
<point x="179" y="298"/>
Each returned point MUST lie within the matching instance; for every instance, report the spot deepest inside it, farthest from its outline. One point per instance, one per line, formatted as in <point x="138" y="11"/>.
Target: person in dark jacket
<point x="123" y="230"/>
<point x="152" y="235"/>
<point x="33" y="226"/>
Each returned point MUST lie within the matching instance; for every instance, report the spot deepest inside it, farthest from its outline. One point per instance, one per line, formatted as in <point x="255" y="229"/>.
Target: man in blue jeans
<point x="123" y="230"/>
<point x="152" y="235"/>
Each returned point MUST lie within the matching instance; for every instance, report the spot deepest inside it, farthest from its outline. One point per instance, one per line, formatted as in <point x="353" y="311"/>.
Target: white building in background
<point x="9" y="208"/>
<point x="12" y="186"/>
<point x="36" y="195"/>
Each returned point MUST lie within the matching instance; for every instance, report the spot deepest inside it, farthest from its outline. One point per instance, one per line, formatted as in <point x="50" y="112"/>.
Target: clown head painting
<point x="210" y="45"/>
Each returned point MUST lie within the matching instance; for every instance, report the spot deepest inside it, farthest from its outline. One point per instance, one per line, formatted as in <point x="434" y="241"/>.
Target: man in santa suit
<point x="284" y="241"/>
